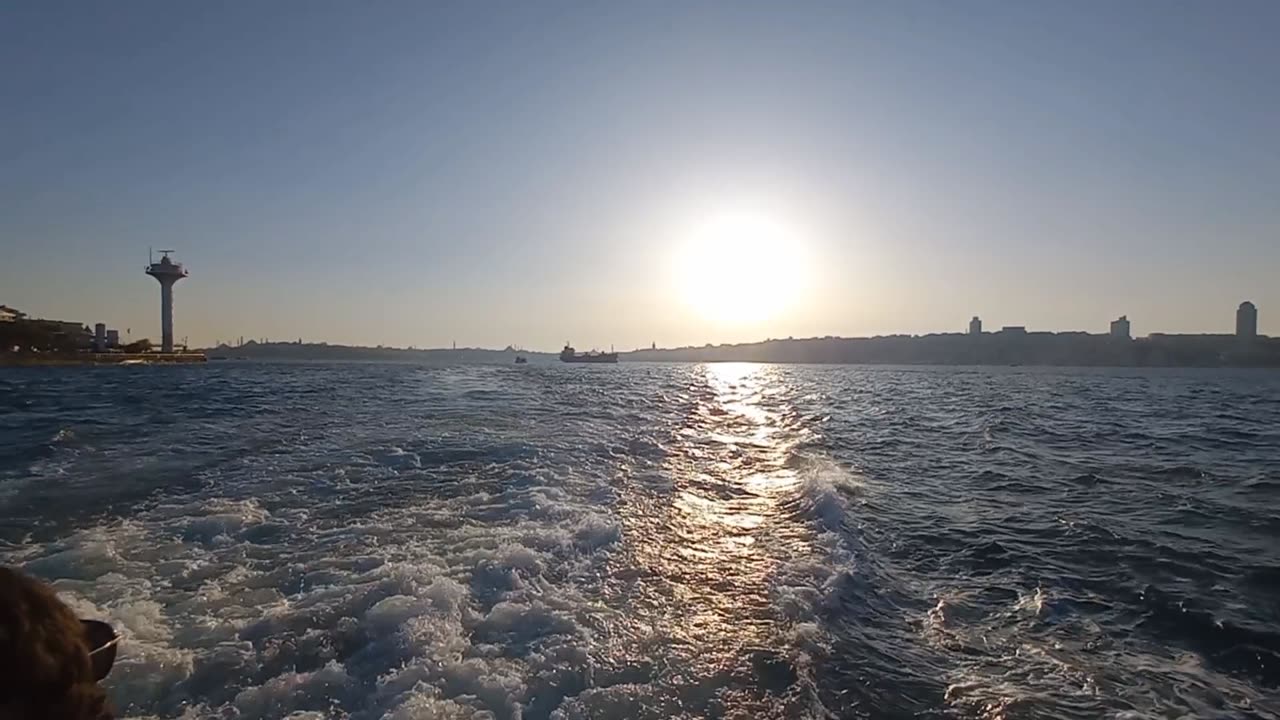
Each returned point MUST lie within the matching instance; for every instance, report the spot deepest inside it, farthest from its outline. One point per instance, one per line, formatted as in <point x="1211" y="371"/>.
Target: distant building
<point x="1246" y="320"/>
<point x="100" y="337"/>
<point x="8" y="314"/>
<point x="113" y="338"/>
<point x="1014" y="329"/>
<point x="1120" y="328"/>
<point x="72" y="334"/>
<point x="975" y="326"/>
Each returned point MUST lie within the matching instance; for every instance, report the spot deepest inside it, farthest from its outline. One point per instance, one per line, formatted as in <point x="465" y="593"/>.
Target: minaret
<point x="168" y="273"/>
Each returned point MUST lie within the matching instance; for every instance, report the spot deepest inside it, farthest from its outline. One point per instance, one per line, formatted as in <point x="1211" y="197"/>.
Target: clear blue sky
<point x="414" y="173"/>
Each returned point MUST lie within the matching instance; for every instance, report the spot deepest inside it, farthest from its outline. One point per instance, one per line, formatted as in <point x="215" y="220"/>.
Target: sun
<point x="739" y="268"/>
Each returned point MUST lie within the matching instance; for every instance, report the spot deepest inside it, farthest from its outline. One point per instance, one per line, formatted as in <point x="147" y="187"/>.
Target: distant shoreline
<point x="97" y="359"/>
<point x="990" y="350"/>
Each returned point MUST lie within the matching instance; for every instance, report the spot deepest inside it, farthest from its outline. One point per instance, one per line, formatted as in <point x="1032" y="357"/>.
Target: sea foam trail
<point x="657" y="541"/>
<point x="482" y="603"/>
<point x="228" y="607"/>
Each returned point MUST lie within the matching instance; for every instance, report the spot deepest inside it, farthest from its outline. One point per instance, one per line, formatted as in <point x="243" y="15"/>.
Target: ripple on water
<point x="658" y="540"/>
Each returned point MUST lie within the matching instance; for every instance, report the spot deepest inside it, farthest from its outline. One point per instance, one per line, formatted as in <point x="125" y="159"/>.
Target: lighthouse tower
<point x="168" y="273"/>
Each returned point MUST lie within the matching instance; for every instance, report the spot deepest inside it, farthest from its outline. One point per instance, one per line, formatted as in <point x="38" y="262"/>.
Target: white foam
<point x="295" y="692"/>
<point x="1021" y="656"/>
<point x="423" y="705"/>
<point x="224" y="608"/>
<point x="381" y="585"/>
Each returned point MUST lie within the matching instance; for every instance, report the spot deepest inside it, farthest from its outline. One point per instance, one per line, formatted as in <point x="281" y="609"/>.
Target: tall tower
<point x="1246" y="321"/>
<point x="168" y="273"/>
<point x="975" y="326"/>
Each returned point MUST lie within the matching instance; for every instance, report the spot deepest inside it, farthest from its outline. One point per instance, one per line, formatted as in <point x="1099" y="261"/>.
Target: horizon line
<point x="518" y="350"/>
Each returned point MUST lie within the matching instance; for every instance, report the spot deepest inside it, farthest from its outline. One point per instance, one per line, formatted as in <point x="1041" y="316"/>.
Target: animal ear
<point x="103" y="642"/>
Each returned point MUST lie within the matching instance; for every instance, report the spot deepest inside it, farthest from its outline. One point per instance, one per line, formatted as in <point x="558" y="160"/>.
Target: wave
<point x="657" y="541"/>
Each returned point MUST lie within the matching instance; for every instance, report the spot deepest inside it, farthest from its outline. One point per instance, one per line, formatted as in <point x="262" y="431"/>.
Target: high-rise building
<point x="1120" y="327"/>
<point x="1246" y="320"/>
<point x="975" y="326"/>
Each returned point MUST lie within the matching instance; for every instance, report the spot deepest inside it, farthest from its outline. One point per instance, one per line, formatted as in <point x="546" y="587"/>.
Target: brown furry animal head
<point x="45" y="669"/>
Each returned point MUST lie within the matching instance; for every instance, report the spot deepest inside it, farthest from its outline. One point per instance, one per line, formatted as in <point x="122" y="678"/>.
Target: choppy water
<point x="652" y="541"/>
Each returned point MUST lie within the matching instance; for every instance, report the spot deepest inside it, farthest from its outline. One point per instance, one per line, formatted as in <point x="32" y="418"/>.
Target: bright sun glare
<point x="740" y="268"/>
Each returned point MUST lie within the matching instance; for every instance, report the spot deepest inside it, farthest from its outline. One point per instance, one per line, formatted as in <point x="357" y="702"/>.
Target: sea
<point x="658" y="540"/>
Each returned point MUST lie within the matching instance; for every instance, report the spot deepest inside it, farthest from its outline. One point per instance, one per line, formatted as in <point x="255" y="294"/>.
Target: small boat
<point x="569" y="355"/>
<point x="521" y="360"/>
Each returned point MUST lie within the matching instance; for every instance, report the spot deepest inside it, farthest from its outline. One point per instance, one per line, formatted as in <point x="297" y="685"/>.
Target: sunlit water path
<point x="653" y="541"/>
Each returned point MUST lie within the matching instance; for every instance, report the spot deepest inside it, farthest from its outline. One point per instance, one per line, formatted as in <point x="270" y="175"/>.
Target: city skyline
<point x="1245" y="318"/>
<point x="415" y="175"/>
<point x="1119" y="327"/>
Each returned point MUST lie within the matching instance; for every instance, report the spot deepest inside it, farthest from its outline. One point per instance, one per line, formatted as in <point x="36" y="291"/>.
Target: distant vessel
<point x="569" y="355"/>
<point x="521" y="360"/>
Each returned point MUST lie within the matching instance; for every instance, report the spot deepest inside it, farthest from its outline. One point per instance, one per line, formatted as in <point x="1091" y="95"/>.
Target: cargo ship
<point x="569" y="355"/>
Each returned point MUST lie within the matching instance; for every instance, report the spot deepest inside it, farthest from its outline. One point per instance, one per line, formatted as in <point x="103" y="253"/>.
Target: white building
<point x="1120" y="328"/>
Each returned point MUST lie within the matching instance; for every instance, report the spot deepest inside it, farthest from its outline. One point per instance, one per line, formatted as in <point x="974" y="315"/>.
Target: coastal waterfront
<point x="655" y="540"/>
<point x="91" y="358"/>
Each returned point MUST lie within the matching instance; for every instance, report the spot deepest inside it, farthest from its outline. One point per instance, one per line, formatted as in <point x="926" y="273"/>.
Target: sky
<point x="492" y="173"/>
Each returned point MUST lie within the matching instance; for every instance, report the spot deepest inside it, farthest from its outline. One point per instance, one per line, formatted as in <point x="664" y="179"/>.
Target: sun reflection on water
<point x="716" y="539"/>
